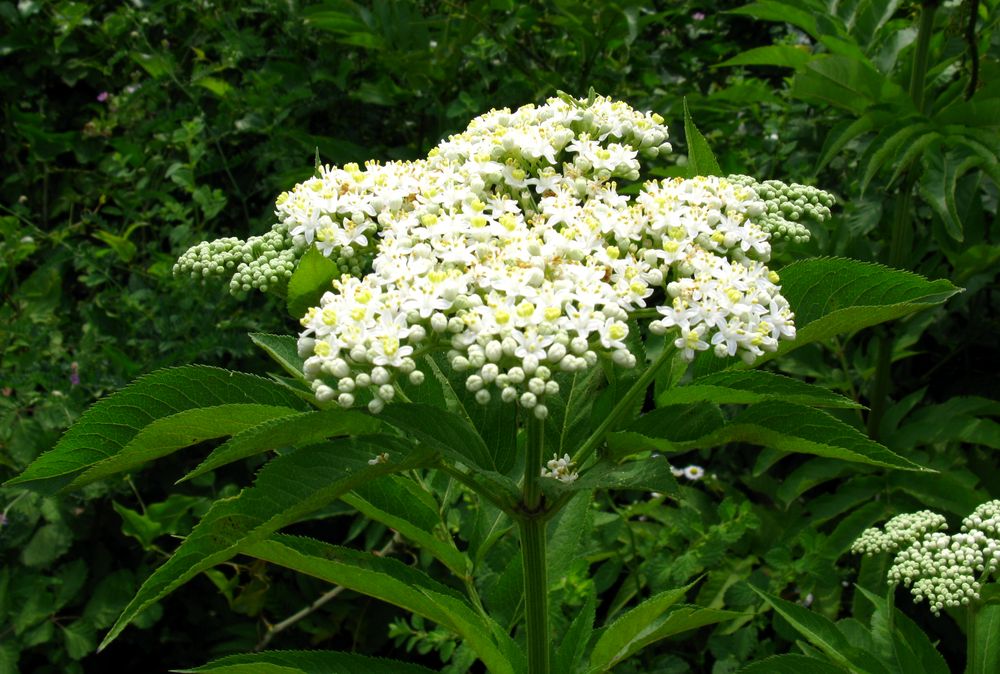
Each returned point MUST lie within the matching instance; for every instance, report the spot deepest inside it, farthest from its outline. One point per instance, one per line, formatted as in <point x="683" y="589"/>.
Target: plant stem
<point x="532" y="529"/>
<point x="901" y="232"/>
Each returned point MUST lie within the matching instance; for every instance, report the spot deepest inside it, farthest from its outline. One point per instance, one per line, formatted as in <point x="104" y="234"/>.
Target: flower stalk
<point x="532" y="530"/>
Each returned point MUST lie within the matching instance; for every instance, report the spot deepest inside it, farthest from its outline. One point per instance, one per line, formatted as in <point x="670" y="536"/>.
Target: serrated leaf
<point x="791" y="664"/>
<point x="311" y="278"/>
<point x="783" y="426"/>
<point x="403" y="506"/>
<point x="305" y="662"/>
<point x="286" y="489"/>
<point x="835" y="295"/>
<point x="455" y="438"/>
<point x="569" y="420"/>
<point x="796" y="428"/>
<point x="701" y="159"/>
<point x="675" y="621"/>
<point x="184" y="429"/>
<point x="634" y="629"/>
<point x="903" y="645"/>
<point x="659" y="429"/>
<point x="296" y="429"/>
<point x="107" y="427"/>
<point x="817" y="630"/>
<point x="495" y="422"/>
<point x="388" y="580"/>
<point x="283" y="349"/>
<point x="752" y="386"/>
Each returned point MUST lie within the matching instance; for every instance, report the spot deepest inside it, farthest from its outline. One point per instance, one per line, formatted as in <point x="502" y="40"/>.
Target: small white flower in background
<point x="946" y="570"/>
<point x="692" y="472"/>
<point x="380" y="458"/>
<point x="510" y="249"/>
<point x="560" y="469"/>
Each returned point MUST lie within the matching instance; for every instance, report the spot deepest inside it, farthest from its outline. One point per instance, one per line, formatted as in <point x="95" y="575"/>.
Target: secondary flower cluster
<point x="512" y="248"/>
<point x="947" y="570"/>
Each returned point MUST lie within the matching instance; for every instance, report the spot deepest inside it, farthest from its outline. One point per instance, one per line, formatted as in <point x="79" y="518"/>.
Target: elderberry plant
<point x="528" y="289"/>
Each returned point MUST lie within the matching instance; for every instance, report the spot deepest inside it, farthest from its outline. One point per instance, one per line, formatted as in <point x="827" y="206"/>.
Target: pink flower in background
<point x="698" y="16"/>
<point x="74" y="374"/>
<point x="103" y="96"/>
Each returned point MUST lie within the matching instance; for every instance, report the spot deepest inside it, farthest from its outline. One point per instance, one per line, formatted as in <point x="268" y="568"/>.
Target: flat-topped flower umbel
<point x="514" y="247"/>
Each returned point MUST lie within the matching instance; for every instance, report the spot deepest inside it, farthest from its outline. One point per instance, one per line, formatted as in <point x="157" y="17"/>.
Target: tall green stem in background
<point x="902" y="221"/>
<point x="532" y="530"/>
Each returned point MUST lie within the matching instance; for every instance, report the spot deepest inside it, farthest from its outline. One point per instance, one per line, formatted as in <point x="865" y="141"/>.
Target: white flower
<point x="560" y="469"/>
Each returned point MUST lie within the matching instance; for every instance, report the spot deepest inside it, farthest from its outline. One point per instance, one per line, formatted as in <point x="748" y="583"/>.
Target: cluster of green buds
<point x="261" y="262"/>
<point x="946" y="570"/>
<point x="787" y="206"/>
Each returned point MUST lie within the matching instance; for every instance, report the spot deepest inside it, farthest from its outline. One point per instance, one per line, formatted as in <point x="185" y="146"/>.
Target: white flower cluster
<point x="946" y="570"/>
<point x="511" y="248"/>
<point x="560" y="469"/>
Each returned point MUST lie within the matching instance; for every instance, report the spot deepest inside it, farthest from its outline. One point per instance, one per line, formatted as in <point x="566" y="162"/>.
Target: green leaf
<point x="817" y="630"/>
<point x="286" y="489"/>
<point x="886" y="145"/>
<point x="906" y="646"/>
<point x="495" y="422"/>
<point x="652" y="474"/>
<point x="796" y="428"/>
<point x="782" y="12"/>
<point x="648" y="622"/>
<point x="783" y="426"/>
<point x="110" y="425"/>
<point x="388" y="580"/>
<point x="569" y="420"/>
<point x="841" y="134"/>
<point x="80" y="639"/>
<point x="782" y="56"/>
<point x="938" y="182"/>
<point x="283" y="349"/>
<point x="184" y="429"/>
<point x="752" y="386"/>
<point x="305" y="662"/>
<point x="218" y="87"/>
<point x="309" y="281"/>
<point x="835" y="295"/>
<point x="572" y="648"/>
<point x="401" y="505"/>
<point x="701" y="160"/>
<point x="295" y="429"/>
<point x="659" y="429"/>
<point x="791" y="664"/>
<point x="987" y="643"/>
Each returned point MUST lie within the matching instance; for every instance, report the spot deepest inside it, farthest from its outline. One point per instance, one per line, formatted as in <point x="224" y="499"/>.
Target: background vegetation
<point x="133" y="130"/>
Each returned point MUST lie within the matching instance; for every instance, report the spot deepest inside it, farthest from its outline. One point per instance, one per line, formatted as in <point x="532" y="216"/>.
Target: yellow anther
<point x="321" y="349"/>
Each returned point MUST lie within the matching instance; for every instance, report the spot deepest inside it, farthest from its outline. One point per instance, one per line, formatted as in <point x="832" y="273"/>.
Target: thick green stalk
<point x="532" y="530"/>
<point x="902" y="221"/>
